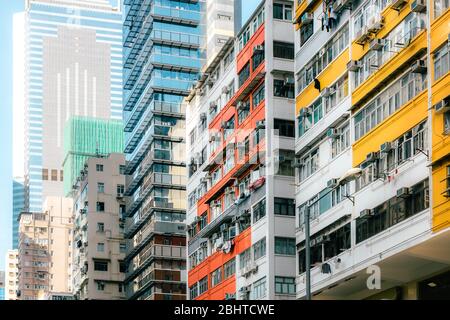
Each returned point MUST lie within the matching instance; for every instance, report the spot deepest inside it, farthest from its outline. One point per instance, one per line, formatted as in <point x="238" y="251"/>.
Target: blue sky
<point x="7" y="9"/>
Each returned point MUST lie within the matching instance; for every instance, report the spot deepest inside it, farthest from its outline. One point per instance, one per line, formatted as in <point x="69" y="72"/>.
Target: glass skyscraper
<point x="18" y="205"/>
<point x="73" y="66"/>
<point x="162" y="58"/>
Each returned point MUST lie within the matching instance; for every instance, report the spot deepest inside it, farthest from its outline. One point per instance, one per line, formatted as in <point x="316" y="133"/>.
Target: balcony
<point x="155" y="180"/>
<point x="176" y="15"/>
<point x="153" y="252"/>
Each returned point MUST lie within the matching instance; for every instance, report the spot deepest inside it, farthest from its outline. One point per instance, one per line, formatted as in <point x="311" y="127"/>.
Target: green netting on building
<point x="86" y="137"/>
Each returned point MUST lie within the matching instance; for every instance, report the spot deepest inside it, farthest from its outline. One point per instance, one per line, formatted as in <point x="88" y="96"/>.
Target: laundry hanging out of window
<point x="328" y="17"/>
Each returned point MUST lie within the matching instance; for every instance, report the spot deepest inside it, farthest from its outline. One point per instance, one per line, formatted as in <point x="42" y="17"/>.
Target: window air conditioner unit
<point x="225" y="90"/>
<point x="245" y="289"/>
<point x="442" y="106"/>
<point x="377" y="44"/>
<point x="230" y="296"/>
<point x="418" y="6"/>
<point x="333" y="133"/>
<point x="260" y="124"/>
<point x="372" y="156"/>
<point x="386" y="147"/>
<point x="419" y="66"/>
<point x="366" y="213"/>
<point x="353" y="65"/>
<point x="362" y="35"/>
<point x="203" y="116"/>
<point x="245" y="213"/>
<point x="119" y="195"/>
<point x="340" y="5"/>
<point x="307" y="18"/>
<point x="403" y="193"/>
<point x="212" y="105"/>
<point x="297" y="163"/>
<point x="375" y="24"/>
<point x="332" y="183"/>
<point x="397" y="5"/>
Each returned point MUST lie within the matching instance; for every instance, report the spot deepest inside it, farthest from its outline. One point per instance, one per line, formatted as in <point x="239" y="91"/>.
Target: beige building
<point x="11" y="274"/>
<point x="44" y="253"/>
<point x="98" y="239"/>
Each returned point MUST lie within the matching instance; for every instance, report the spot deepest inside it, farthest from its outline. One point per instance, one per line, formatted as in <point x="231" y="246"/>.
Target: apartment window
<point x="447" y="122"/>
<point x="229" y="268"/>
<point x="387" y="102"/>
<point x="337" y="92"/>
<point x="100" y="247"/>
<point x="244" y="74"/>
<point x="193" y="291"/>
<point x="309" y="116"/>
<point x="284" y="285"/>
<point x="309" y="164"/>
<point x="306" y="31"/>
<point x="216" y="277"/>
<point x="259" y="289"/>
<point x="325" y="246"/>
<point x="259" y="210"/>
<point x="259" y="249"/>
<point x="284" y="162"/>
<point x="441" y="61"/>
<point x="100" y="207"/>
<point x="284" y="88"/>
<point x="258" y="57"/>
<point x="203" y="285"/>
<point x="122" y="267"/>
<point x="284" y="207"/>
<point x="228" y="59"/>
<point x="120" y="189"/>
<point x="245" y="258"/>
<point x="285" y="127"/>
<point x="54" y="175"/>
<point x="100" y="227"/>
<point x="243" y="111"/>
<point x="282" y="11"/>
<point x="229" y="128"/>
<point x="440" y="6"/>
<point x="398" y="39"/>
<point x="99" y="167"/>
<point x="283" y="50"/>
<point x="285" y="246"/>
<point x="393" y="211"/>
<point x="323" y="58"/>
<point x="342" y="141"/>
<point x="100" y="266"/>
<point x="100" y="286"/>
<point x="122" y="247"/>
<point x="192" y="137"/>
<point x="100" y="187"/>
<point x="121" y="169"/>
<point x="258" y="96"/>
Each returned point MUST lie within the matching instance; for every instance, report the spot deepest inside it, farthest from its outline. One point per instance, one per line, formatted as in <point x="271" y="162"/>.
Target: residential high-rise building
<point x="98" y="266"/>
<point x="45" y="249"/>
<point x="372" y="148"/>
<point x="18" y="206"/>
<point x="240" y="129"/>
<point x="162" y="59"/>
<point x="72" y="51"/>
<point x="86" y="137"/>
<point x="11" y="274"/>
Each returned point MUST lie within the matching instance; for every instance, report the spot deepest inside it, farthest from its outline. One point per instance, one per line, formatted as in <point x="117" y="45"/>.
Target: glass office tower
<point x="162" y="58"/>
<point x="72" y="53"/>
